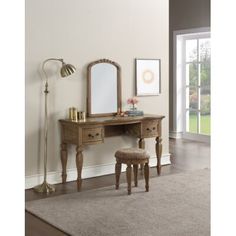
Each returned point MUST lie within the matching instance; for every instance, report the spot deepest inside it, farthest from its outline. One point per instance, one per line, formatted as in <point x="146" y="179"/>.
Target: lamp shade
<point x="67" y="69"/>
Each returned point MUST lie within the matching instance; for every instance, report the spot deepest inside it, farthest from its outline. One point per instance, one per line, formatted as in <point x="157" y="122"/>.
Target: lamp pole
<point x="66" y="70"/>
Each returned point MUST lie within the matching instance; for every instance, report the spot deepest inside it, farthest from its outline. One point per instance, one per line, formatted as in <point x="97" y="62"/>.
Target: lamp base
<point x="44" y="188"/>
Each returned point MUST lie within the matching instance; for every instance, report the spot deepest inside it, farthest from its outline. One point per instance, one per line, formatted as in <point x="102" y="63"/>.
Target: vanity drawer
<point x="92" y="135"/>
<point x="150" y="128"/>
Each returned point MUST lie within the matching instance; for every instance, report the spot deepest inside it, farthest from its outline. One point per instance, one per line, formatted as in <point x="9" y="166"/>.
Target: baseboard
<point x="175" y="135"/>
<point x="88" y="172"/>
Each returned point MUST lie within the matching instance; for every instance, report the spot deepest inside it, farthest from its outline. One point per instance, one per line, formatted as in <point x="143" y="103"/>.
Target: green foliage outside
<point x="205" y="88"/>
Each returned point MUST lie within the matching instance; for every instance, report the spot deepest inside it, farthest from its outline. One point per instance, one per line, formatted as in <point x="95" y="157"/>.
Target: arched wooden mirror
<point x="103" y="88"/>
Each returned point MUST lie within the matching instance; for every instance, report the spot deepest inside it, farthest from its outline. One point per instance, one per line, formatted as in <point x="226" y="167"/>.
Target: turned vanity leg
<point x="158" y="153"/>
<point x="79" y="165"/>
<point x="141" y="144"/>
<point x="63" y="161"/>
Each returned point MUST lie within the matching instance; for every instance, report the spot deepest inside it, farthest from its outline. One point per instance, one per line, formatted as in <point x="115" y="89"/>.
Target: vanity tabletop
<point x="113" y="119"/>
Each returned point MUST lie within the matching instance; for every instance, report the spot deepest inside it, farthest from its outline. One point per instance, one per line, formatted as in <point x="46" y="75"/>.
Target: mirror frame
<point x="119" y="105"/>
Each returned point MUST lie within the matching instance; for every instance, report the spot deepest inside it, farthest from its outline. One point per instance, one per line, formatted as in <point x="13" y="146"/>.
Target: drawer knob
<point x="97" y="134"/>
<point x="154" y="128"/>
<point x="148" y="129"/>
<point x="90" y="135"/>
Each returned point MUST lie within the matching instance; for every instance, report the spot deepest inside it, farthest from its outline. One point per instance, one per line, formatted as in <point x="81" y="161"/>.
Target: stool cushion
<point x="132" y="154"/>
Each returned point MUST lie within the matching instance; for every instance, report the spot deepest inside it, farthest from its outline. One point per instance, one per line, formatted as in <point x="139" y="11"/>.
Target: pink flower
<point x="135" y="100"/>
<point x="132" y="101"/>
<point x="129" y="101"/>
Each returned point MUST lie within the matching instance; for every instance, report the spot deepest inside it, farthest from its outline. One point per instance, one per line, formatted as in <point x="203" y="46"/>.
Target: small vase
<point x="133" y="108"/>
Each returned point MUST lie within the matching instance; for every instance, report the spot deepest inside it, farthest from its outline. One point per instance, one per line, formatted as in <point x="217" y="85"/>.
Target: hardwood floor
<point x="185" y="155"/>
<point x="189" y="155"/>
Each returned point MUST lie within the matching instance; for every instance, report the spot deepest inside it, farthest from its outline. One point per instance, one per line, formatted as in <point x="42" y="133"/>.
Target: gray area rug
<point x="177" y="205"/>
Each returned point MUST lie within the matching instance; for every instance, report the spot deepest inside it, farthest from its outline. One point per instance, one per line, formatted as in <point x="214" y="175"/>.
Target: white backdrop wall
<point x="81" y="32"/>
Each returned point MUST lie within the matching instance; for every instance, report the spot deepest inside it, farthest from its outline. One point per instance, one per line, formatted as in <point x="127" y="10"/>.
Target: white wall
<point x="81" y="32"/>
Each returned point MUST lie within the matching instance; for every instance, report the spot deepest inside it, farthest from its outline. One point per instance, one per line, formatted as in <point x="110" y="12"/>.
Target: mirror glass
<point x="103" y="88"/>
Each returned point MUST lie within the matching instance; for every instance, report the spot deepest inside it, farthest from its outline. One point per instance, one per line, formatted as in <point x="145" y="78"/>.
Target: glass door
<point x="197" y="89"/>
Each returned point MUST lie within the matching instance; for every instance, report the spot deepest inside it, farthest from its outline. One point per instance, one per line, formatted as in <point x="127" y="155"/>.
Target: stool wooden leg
<point x="141" y="145"/>
<point x="146" y="175"/>
<point x="117" y="171"/>
<point x="128" y="176"/>
<point x="135" y="175"/>
<point x="141" y="168"/>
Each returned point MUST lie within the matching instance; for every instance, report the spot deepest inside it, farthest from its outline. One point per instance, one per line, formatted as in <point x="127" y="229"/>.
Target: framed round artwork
<point x="148" y="77"/>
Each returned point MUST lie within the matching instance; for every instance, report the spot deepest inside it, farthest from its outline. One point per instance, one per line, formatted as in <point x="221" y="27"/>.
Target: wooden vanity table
<point x="95" y="129"/>
<point x="103" y="104"/>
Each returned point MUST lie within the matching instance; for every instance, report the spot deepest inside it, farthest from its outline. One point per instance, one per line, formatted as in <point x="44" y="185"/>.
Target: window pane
<point x="205" y="99"/>
<point x="205" y="75"/>
<point x="191" y="50"/>
<point x="187" y="97"/>
<point x="187" y="121"/>
<point x="205" y="124"/>
<point x="191" y="74"/>
<point x="191" y="125"/>
<point x="205" y="110"/>
<point x="205" y="50"/>
<point x="193" y="101"/>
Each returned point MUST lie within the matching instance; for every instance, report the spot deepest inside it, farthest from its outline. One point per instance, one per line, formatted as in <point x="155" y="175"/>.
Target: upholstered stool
<point x="135" y="157"/>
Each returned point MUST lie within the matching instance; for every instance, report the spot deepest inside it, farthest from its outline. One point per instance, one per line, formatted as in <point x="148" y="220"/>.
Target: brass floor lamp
<point x="66" y="70"/>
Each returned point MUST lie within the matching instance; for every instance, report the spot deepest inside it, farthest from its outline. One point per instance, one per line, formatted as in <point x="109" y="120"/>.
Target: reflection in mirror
<point x="104" y="95"/>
